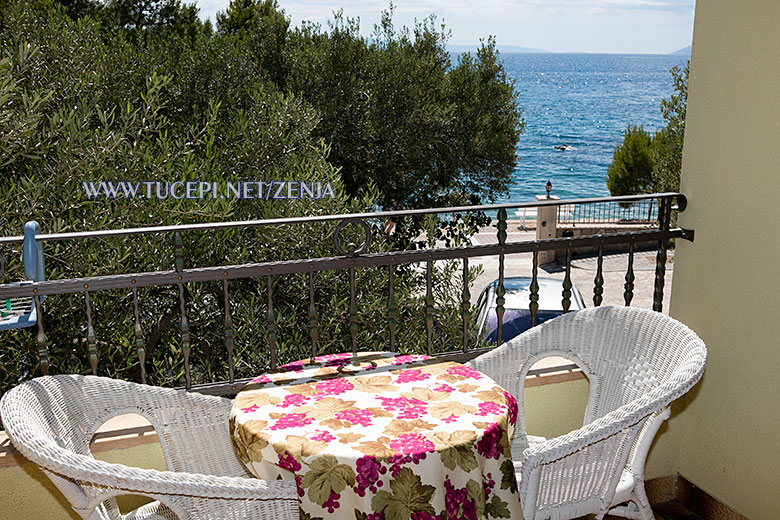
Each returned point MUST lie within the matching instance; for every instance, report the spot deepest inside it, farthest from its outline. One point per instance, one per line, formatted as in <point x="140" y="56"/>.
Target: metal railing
<point x="637" y="212"/>
<point x="352" y="257"/>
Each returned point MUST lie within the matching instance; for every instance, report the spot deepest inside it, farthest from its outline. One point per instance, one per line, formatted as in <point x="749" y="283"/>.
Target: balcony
<point x="723" y="436"/>
<point x="610" y="258"/>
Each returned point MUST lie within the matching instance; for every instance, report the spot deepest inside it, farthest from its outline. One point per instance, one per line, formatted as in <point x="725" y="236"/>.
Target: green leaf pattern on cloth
<point x="409" y="495"/>
<point x="326" y="476"/>
<point x="497" y="508"/>
<point x="508" y="479"/>
<point x="477" y="494"/>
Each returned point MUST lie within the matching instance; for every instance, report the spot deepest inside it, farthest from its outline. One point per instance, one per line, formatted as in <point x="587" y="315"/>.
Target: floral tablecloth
<point x="382" y="437"/>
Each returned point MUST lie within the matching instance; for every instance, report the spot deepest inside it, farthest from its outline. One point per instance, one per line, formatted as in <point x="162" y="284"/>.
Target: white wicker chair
<point x="52" y="419"/>
<point x="637" y="362"/>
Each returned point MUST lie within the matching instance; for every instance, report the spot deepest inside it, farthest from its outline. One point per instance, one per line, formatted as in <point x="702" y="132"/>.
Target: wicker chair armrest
<point x="626" y="416"/>
<point x="149" y="481"/>
<point x="591" y="433"/>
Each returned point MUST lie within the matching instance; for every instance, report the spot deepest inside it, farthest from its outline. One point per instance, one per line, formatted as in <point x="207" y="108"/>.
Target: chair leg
<point x="637" y="507"/>
<point x="640" y="499"/>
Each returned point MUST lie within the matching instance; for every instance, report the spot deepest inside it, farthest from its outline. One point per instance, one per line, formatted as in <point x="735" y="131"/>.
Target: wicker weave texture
<point x="637" y="362"/>
<point x="52" y="419"/>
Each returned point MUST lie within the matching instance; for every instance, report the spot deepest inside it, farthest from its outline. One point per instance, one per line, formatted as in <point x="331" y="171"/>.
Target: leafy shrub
<point x="631" y="169"/>
<point x="80" y="103"/>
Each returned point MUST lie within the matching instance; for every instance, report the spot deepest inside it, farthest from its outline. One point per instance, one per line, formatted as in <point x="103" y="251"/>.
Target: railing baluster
<point x="533" y="304"/>
<point x="178" y="252"/>
<point x="628" y="294"/>
<point x="229" y="334"/>
<point x="429" y="305"/>
<point x="598" y="281"/>
<point x="178" y="249"/>
<point x="353" y="327"/>
<point x="500" y="290"/>
<point x="185" y="337"/>
<point x="466" y="303"/>
<point x="91" y="339"/>
<point x="664" y="216"/>
<point x="566" y="302"/>
<point x="272" y="328"/>
<point x="392" y="312"/>
<point x="313" y="323"/>
<point x="140" y="347"/>
<point x="43" y="351"/>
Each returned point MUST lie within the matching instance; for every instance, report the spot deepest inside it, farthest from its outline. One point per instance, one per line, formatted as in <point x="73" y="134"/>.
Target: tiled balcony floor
<point x="672" y="510"/>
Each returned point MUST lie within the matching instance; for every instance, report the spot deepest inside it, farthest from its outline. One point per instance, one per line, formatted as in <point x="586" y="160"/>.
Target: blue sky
<point x="622" y="26"/>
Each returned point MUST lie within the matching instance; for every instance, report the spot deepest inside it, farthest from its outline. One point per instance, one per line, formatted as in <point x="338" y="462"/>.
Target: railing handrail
<point x="305" y="265"/>
<point x="681" y="203"/>
<point x="350" y="260"/>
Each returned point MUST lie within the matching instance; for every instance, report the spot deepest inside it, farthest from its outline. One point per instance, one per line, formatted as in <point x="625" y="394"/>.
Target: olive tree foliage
<point x="669" y="141"/>
<point x="394" y="108"/>
<point x="80" y="103"/>
<point x="398" y="112"/>
<point x="643" y="163"/>
<point x="631" y="169"/>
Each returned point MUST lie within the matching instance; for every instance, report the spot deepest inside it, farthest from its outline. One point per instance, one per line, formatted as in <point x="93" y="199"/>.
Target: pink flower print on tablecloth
<point x="368" y="477"/>
<point x="361" y="417"/>
<point x="464" y="372"/>
<point x="443" y="388"/>
<point x="487" y="485"/>
<point x="323" y="435"/>
<point x="332" y="357"/>
<point x="293" y="400"/>
<point x="249" y="409"/>
<point x="288" y="462"/>
<point x="295" y="366"/>
<point x="261" y="379"/>
<point x="458" y="504"/>
<point x="489" y="446"/>
<point x="332" y="387"/>
<point x="331" y="360"/>
<point x="424" y="515"/>
<point x="291" y="420"/>
<point x="332" y="503"/>
<point x="450" y="419"/>
<point x="409" y="408"/>
<point x="412" y="444"/>
<point x="411" y="375"/>
<point x="408" y="358"/>
<point x="489" y="408"/>
<point x="512" y="404"/>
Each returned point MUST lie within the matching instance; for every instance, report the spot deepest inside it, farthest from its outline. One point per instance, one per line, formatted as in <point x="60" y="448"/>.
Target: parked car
<point x="517" y="316"/>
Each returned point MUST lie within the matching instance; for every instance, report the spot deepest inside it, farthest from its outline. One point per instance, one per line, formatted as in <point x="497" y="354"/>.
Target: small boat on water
<point x="564" y="147"/>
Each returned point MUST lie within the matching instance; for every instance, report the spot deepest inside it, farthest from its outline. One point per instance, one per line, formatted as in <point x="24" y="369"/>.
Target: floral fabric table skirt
<point x="382" y="437"/>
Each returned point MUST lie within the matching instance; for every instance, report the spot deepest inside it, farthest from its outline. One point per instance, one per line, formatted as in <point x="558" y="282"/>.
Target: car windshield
<point x="515" y="322"/>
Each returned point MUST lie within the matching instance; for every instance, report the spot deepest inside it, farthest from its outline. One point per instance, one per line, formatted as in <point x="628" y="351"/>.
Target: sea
<point x="583" y="103"/>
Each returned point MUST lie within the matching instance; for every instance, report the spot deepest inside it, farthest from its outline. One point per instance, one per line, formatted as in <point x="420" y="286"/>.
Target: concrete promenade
<point x="583" y="270"/>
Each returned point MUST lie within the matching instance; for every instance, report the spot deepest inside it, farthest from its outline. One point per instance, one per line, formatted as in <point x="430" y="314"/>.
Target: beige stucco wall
<point x="727" y="284"/>
<point x="25" y="492"/>
<point x="553" y="410"/>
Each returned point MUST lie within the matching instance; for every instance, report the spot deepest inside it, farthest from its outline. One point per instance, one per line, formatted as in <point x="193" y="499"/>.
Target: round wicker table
<point x="381" y="436"/>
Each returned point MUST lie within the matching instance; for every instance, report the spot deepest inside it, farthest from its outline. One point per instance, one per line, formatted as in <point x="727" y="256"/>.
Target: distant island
<point x="506" y="49"/>
<point x="517" y="49"/>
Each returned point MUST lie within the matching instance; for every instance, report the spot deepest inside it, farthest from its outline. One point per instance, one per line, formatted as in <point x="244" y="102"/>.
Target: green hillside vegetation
<point x="131" y="91"/>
